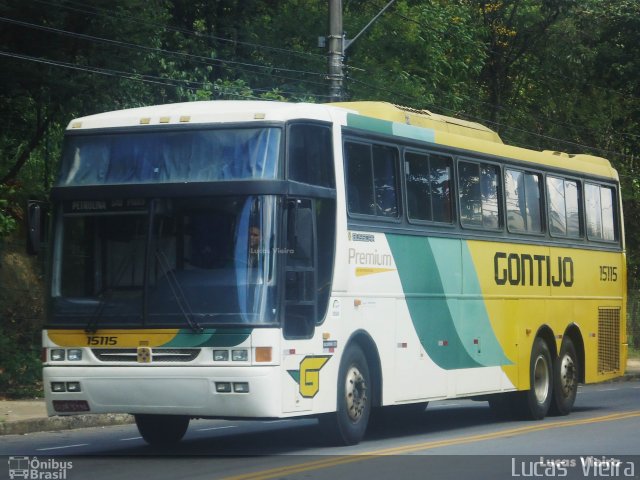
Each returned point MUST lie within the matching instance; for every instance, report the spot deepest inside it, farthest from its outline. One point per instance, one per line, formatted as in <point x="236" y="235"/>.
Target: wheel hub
<point x="541" y="379"/>
<point x="355" y="393"/>
<point x="567" y="375"/>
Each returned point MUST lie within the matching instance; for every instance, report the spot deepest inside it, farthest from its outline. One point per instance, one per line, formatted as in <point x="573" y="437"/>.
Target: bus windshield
<point x="170" y="156"/>
<point x="171" y="263"/>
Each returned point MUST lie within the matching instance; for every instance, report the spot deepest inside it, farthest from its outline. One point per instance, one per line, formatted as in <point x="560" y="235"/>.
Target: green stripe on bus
<point x="390" y="128"/>
<point x="436" y="276"/>
<point x="416" y="133"/>
<point x="210" y="338"/>
<point x="368" y="123"/>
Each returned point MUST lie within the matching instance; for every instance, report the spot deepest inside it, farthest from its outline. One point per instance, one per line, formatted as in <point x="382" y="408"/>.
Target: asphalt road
<point x="452" y="439"/>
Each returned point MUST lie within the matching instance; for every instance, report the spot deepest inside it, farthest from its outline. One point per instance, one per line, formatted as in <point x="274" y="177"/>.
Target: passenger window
<point x="479" y="189"/>
<point x="372" y="179"/>
<point x="522" y="195"/>
<point x="359" y="178"/>
<point x="428" y="179"/>
<point x="564" y="207"/>
<point x="600" y="212"/>
<point x="385" y="177"/>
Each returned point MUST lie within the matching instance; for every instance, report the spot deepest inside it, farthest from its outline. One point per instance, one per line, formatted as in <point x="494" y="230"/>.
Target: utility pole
<point x="338" y="46"/>
<point x="336" y="50"/>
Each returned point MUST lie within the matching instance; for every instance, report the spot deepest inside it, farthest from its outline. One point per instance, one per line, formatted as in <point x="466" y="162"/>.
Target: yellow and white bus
<point x="270" y="260"/>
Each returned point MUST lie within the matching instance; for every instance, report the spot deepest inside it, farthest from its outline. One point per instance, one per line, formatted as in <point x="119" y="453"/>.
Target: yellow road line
<point x="404" y="449"/>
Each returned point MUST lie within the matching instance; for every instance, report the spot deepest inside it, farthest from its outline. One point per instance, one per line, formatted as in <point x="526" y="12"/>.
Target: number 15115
<point x="608" y="274"/>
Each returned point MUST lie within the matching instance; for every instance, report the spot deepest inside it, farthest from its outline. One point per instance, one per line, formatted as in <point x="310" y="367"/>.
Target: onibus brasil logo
<point x="33" y="468"/>
<point x="308" y="376"/>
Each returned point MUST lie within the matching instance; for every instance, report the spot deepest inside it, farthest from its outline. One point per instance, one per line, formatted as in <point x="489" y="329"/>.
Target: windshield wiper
<point x="178" y="293"/>
<point x="92" y="325"/>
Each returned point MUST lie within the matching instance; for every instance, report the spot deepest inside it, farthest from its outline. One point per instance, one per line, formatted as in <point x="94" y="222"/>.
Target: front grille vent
<point x="608" y="340"/>
<point x="158" y="355"/>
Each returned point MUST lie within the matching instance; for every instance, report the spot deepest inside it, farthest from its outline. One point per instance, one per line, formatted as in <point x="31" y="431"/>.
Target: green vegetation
<point x="546" y="74"/>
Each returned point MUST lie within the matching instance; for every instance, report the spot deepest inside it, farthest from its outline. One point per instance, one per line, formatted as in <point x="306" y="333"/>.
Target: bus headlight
<point x="57" y="355"/>
<point x="240" y="355"/>
<point x="221" y="355"/>
<point x="74" y="355"/>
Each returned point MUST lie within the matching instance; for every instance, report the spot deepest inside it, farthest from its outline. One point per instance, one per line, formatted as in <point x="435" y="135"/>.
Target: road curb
<point x="49" y="424"/>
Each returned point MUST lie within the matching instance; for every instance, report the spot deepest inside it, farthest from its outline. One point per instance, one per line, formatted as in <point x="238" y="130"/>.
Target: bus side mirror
<point x="36" y="218"/>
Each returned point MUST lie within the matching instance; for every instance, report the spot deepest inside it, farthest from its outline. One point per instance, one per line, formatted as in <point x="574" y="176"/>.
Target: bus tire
<point x="162" y="430"/>
<point x="566" y="372"/>
<point x="534" y="403"/>
<point x="348" y="424"/>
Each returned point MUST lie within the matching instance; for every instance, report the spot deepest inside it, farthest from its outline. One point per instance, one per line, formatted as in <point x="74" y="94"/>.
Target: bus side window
<point x="418" y="185"/>
<point x="522" y="192"/>
<point x="428" y="187"/>
<point x="372" y="179"/>
<point x="385" y="180"/>
<point x="359" y="178"/>
<point x="564" y="207"/>
<point x="479" y="187"/>
<point x="310" y="157"/>
<point x="600" y="212"/>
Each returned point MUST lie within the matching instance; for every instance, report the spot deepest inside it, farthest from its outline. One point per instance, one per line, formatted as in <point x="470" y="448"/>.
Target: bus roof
<point x="379" y="117"/>
<point x="218" y="111"/>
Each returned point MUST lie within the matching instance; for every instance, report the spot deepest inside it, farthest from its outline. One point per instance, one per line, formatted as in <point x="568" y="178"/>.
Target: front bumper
<point x="167" y="390"/>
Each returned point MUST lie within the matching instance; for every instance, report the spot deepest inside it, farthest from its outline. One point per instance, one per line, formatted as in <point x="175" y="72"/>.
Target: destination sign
<point x="100" y="206"/>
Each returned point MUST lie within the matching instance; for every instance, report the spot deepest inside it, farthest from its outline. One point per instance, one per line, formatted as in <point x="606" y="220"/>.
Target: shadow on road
<point x="300" y="437"/>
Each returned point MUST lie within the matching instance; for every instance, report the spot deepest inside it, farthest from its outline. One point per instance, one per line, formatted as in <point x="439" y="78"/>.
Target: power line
<point x="109" y="14"/>
<point x="164" y="81"/>
<point x="237" y="66"/>
<point x="129" y="45"/>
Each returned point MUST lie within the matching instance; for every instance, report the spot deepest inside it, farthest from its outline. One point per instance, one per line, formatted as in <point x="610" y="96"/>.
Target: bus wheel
<point x="348" y="424"/>
<point x="162" y="430"/>
<point x="565" y="379"/>
<point x="535" y="402"/>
